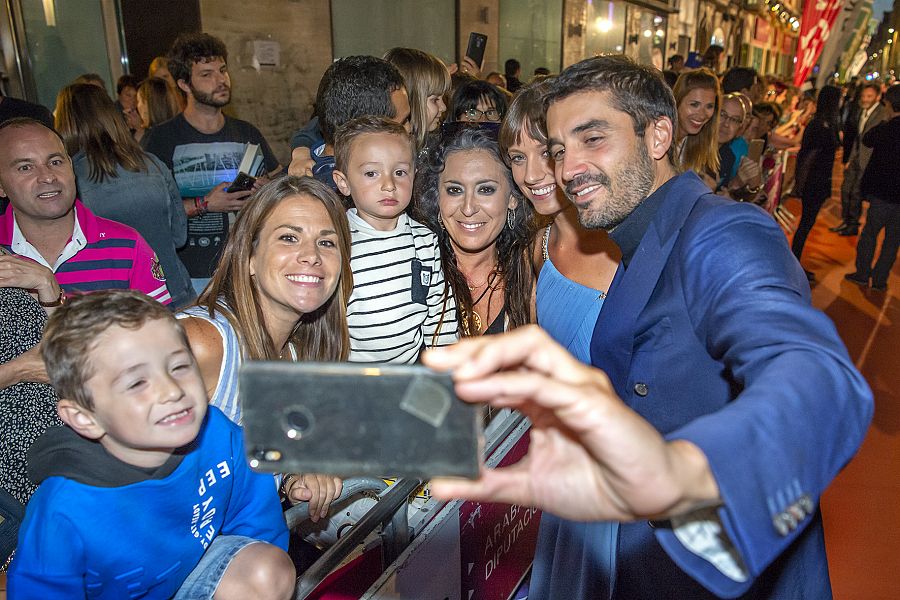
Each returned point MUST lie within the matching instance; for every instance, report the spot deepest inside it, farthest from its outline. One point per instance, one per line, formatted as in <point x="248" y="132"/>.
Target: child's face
<point x="148" y="395"/>
<point x="379" y="177"/>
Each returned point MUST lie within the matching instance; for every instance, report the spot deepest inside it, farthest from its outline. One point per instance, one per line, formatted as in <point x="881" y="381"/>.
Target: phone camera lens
<point x="297" y="422"/>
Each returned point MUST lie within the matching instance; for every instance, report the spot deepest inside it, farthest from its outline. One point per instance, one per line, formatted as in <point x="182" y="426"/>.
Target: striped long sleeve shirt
<point x="399" y="303"/>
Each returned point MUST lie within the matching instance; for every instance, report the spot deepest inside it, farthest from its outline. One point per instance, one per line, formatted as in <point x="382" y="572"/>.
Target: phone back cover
<point x="349" y="420"/>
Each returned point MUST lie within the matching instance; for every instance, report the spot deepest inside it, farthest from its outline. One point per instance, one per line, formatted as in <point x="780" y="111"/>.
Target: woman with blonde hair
<point x="427" y="80"/>
<point x="279" y="292"/>
<point x="117" y="180"/>
<point x="697" y="97"/>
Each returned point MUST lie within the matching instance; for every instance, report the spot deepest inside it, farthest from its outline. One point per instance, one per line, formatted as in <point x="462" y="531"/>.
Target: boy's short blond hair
<point x="73" y="329"/>
<point x="355" y="128"/>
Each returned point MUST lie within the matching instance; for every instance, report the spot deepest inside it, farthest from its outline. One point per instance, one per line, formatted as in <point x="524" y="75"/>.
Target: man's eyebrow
<point x="602" y="124"/>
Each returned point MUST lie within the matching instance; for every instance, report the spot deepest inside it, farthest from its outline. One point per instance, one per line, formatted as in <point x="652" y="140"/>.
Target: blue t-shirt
<point x="144" y="539"/>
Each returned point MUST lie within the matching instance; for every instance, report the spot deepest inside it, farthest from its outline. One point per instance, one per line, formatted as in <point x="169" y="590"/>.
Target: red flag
<point x="815" y="27"/>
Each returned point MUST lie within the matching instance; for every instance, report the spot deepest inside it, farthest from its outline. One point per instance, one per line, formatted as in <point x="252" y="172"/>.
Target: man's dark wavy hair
<point x="637" y="90"/>
<point x="356" y="86"/>
<point x="191" y="48"/>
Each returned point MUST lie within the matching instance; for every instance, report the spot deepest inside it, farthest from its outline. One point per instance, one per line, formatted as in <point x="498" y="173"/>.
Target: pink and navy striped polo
<point x="101" y="255"/>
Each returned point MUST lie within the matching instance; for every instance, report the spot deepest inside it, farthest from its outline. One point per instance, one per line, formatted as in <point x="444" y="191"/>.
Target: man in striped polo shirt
<point x="59" y="245"/>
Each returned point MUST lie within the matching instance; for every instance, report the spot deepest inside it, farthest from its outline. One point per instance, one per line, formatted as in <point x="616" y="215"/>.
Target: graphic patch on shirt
<point x="156" y="269"/>
<point x="421" y="280"/>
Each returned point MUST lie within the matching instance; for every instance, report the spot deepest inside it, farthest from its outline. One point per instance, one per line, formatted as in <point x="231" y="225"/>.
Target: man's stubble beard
<point x="627" y="188"/>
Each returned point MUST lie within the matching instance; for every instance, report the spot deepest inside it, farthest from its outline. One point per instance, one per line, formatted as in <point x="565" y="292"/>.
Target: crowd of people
<point x="432" y="213"/>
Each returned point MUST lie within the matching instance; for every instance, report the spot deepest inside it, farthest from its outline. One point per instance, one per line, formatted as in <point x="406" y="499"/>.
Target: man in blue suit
<point x="726" y="403"/>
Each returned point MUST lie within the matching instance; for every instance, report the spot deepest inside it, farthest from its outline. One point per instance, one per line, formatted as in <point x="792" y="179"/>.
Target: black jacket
<point x="883" y="171"/>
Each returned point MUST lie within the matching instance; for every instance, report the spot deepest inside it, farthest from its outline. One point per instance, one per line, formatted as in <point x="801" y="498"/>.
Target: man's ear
<point x="80" y="419"/>
<point x="340" y="180"/>
<point x="660" y="136"/>
<point x="184" y="86"/>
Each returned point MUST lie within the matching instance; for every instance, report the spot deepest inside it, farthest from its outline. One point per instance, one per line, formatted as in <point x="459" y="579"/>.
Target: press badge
<point x="421" y="281"/>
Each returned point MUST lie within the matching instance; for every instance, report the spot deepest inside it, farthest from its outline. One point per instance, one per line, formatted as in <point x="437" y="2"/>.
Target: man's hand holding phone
<point x="220" y="200"/>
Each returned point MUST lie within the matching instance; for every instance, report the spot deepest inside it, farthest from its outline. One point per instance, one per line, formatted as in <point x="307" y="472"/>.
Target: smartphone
<point x="475" y="50"/>
<point x="241" y="183"/>
<point x="349" y="419"/>
<point x="755" y="149"/>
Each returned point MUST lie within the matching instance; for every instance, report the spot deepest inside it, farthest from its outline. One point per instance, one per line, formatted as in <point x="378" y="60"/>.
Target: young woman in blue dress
<point x="575" y="267"/>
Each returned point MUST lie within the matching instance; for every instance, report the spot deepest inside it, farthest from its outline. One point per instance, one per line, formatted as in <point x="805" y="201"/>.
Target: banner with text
<point x="815" y="27"/>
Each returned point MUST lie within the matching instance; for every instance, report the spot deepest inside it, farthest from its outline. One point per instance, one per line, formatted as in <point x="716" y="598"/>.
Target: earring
<point x="441" y="223"/>
<point x="509" y="218"/>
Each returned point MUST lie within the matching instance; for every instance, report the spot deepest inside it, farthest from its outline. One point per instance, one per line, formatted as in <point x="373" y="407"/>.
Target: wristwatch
<point x="54" y="303"/>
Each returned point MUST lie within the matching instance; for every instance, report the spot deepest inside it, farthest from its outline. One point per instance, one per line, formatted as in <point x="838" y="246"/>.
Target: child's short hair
<point x="354" y="128"/>
<point x="73" y="328"/>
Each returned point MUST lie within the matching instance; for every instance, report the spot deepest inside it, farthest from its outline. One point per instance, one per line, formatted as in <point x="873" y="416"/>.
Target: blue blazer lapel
<point x="612" y="343"/>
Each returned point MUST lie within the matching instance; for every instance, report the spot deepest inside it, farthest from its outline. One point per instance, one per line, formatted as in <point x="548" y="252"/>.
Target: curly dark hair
<point x="191" y="48"/>
<point x="513" y="243"/>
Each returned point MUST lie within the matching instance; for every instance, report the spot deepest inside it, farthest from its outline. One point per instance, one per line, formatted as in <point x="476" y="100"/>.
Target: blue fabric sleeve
<point x="254" y="509"/>
<point x="49" y="559"/>
<point x="804" y="408"/>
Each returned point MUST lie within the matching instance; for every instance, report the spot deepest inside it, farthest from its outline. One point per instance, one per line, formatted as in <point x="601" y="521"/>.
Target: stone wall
<point x="482" y="16"/>
<point x="277" y="100"/>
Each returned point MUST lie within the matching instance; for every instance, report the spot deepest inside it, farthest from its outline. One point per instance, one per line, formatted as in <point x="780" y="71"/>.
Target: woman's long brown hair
<point x="321" y="335"/>
<point x="89" y="122"/>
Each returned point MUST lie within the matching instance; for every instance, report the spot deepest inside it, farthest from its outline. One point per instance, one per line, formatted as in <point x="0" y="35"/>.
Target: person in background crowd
<point x="203" y="147"/>
<point x="814" y="165"/>
<point x="712" y="58"/>
<point x="27" y="404"/>
<point x="159" y="67"/>
<point x="733" y="117"/>
<point x="764" y="119"/>
<point x="871" y="113"/>
<point x="497" y="79"/>
<point x="279" y="293"/>
<point x="53" y="244"/>
<point x="119" y="181"/>
<point x="477" y="101"/>
<point x="713" y="464"/>
<point x="400" y="302"/>
<point x="354" y="86"/>
<point x="697" y="128"/>
<point x="11" y="108"/>
<point x="879" y="186"/>
<point x="743" y="80"/>
<point x="92" y="79"/>
<point x="512" y="69"/>
<point x="426" y="79"/>
<point x="126" y="101"/>
<point x="467" y="196"/>
<point x="676" y="63"/>
<point x="670" y="77"/>
<point x="157" y="102"/>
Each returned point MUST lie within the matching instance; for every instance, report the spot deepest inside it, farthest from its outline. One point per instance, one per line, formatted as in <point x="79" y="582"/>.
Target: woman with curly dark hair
<point x="466" y="194"/>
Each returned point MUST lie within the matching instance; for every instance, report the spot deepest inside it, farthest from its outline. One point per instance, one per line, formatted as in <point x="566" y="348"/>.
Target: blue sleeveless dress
<point x="568" y="311"/>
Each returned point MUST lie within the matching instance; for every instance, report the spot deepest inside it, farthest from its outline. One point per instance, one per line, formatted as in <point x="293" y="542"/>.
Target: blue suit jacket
<point x="709" y="335"/>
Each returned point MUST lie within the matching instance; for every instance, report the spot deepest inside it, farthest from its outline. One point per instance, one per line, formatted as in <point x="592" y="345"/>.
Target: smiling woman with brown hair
<point x="279" y="293"/>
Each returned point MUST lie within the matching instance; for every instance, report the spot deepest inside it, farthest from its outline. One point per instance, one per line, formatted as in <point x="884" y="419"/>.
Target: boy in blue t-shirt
<point x="147" y="492"/>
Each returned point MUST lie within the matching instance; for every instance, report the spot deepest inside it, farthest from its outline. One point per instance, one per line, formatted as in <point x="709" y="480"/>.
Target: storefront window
<point x="605" y="28"/>
<point x="531" y="31"/>
<point x="645" y="36"/>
